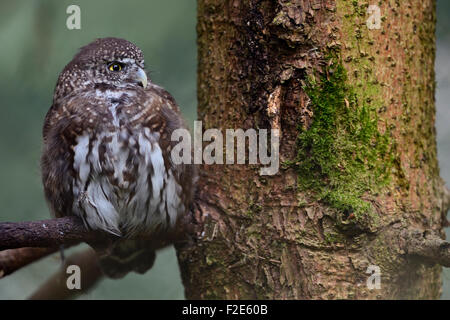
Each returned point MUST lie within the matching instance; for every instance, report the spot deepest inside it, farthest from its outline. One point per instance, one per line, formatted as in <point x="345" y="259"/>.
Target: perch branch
<point x="67" y="231"/>
<point x="45" y="233"/>
<point x="22" y="243"/>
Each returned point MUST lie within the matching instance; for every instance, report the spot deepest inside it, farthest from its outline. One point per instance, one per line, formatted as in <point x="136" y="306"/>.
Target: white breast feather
<point x="109" y="207"/>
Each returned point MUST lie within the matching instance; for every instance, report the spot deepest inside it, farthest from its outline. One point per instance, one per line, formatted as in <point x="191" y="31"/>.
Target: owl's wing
<point x="59" y="135"/>
<point x="167" y="120"/>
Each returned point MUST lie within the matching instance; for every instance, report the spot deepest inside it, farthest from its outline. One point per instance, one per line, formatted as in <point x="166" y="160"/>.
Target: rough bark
<point x="356" y="111"/>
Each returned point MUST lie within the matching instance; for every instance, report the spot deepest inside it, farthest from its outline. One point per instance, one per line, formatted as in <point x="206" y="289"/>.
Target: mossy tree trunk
<point x="355" y="106"/>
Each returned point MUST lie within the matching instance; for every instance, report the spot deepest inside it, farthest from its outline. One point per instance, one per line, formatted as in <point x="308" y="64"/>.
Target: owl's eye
<point x="115" y="66"/>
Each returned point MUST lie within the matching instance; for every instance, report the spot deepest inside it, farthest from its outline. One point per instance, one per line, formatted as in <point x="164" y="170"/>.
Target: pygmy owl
<point x="106" y="155"/>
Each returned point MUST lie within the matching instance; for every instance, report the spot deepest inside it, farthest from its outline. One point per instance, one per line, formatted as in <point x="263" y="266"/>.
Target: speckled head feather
<point x="89" y="67"/>
<point x="109" y="49"/>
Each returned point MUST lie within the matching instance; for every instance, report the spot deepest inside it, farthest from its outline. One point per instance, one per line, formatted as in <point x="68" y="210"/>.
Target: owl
<point x="106" y="154"/>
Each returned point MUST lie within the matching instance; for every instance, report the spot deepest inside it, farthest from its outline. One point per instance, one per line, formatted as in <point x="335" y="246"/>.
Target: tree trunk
<point x="355" y="106"/>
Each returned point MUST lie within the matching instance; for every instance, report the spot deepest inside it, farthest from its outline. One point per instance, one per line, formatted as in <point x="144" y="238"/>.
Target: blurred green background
<point x="36" y="45"/>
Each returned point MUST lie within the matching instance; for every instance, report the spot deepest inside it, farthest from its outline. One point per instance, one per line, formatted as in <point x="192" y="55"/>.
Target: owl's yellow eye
<point x="115" y="66"/>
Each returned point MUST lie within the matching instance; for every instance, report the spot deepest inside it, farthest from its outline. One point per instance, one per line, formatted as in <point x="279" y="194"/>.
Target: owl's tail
<point x="125" y="256"/>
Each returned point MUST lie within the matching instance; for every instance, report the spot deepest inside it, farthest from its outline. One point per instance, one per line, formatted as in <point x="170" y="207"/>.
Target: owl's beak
<point x="141" y="77"/>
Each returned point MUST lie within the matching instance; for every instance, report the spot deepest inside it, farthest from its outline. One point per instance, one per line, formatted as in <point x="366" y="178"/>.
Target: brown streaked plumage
<point x="106" y="155"/>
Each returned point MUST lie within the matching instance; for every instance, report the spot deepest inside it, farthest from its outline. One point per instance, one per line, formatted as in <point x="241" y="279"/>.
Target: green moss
<point x="331" y="237"/>
<point x="342" y="156"/>
<point x="253" y="209"/>
<point x="210" y="260"/>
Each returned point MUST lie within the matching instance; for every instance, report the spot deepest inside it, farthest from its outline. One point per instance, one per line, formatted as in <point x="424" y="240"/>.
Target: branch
<point x="22" y="243"/>
<point x="427" y="246"/>
<point x="45" y="233"/>
<point x="14" y="259"/>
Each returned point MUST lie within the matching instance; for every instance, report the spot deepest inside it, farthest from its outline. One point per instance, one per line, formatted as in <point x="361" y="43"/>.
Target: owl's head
<point x="110" y="62"/>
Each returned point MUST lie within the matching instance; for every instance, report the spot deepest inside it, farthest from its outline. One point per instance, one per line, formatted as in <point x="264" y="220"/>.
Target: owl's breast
<point x="122" y="184"/>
